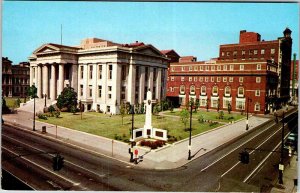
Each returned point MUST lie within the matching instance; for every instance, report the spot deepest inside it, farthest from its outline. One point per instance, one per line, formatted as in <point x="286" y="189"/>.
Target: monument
<point x="148" y="131"/>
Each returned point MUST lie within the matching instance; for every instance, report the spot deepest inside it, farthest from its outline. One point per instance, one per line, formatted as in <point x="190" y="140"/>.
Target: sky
<point x="189" y="28"/>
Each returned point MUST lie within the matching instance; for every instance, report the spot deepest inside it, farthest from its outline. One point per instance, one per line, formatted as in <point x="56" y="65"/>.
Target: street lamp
<point x="190" y="138"/>
<point x="248" y="101"/>
<point x="32" y="93"/>
<point x="132" y="125"/>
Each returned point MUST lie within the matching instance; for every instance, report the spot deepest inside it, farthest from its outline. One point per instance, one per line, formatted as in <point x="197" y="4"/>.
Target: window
<point x="257" y="107"/>
<point x="190" y="68"/>
<point x="226" y="102"/>
<point x="212" y="79"/>
<point x="212" y="67"/>
<point x="218" y="67"/>
<point x="109" y="88"/>
<point x="262" y="51"/>
<point x="196" y="68"/>
<point x="91" y="91"/>
<point x="227" y="91"/>
<point x="182" y="79"/>
<point x="201" y="79"/>
<point x="109" y="96"/>
<point x="215" y="90"/>
<point x="190" y="79"/>
<point x="182" y="89"/>
<point x="272" y="51"/>
<point x="91" y="72"/>
<point x="182" y="68"/>
<point x="234" y="53"/>
<point x="240" y="105"/>
<point x="230" y="79"/>
<point x="192" y="89"/>
<point x="223" y="54"/>
<point x="108" y="109"/>
<point x="207" y="68"/>
<point x="243" y="52"/>
<point x="81" y="90"/>
<point x="203" y="102"/>
<point x="195" y="79"/>
<point x="172" y="89"/>
<point x="241" y="67"/>
<point x="100" y="71"/>
<point x="203" y="90"/>
<point x="110" y="68"/>
<point x="224" y="79"/>
<point x="258" y="79"/>
<point x="123" y="74"/>
<point x="231" y="67"/>
<point x="257" y="92"/>
<point x="81" y="72"/>
<point x="172" y="68"/>
<point x="227" y="53"/>
<point x="206" y="79"/>
<point x="255" y="52"/>
<point x="240" y="92"/>
<point x="225" y="67"/>
<point x="172" y="78"/>
<point x="258" y="67"/>
<point x="99" y="91"/>
<point x="201" y="68"/>
<point x="241" y="79"/>
<point x="218" y="79"/>
<point x="250" y="52"/>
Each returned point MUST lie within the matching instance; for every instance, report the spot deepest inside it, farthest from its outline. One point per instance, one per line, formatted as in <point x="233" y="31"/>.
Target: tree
<point x="156" y="109"/>
<point x="67" y="98"/>
<point x="137" y="108"/>
<point x="184" y="116"/>
<point x="31" y="92"/>
<point x="142" y="108"/>
<point x="122" y="111"/>
<point x="221" y="114"/>
<point x="5" y="109"/>
<point x="229" y="108"/>
<point x="218" y="105"/>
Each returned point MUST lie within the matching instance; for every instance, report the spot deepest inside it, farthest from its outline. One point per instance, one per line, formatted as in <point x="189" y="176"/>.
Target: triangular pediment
<point x="46" y="48"/>
<point x="149" y="50"/>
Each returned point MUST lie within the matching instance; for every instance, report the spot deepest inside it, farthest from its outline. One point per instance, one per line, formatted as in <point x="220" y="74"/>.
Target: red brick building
<point x="252" y="68"/>
<point x="15" y="78"/>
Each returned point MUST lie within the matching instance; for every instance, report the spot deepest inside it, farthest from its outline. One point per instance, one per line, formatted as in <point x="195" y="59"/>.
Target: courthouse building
<point x="252" y="69"/>
<point x="103" y="73"/>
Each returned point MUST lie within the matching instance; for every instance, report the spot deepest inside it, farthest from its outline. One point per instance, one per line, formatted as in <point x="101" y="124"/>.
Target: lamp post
<point x="132" y="125"/>
<point x="33" y="126"/>
<point x="281" y="155"/>
<point x="190" y="138"/>
<point x="32" y="93"/>
<point x="248" y="101"/>
<point x="45" y="95"/>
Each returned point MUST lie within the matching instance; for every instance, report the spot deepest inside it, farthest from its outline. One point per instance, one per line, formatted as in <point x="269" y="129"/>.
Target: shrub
<point x="73" y="109"/>
<point x="56" y="113"/>
<point x="201" y="119"/>
<point x="213" y="124"/>
<point x="42" y="116"/>
<point x="51" y="109"/>
<point x="231" y="117"/>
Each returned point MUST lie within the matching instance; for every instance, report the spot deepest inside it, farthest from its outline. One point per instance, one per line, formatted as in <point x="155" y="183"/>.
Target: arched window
<point x="215" y="90"/>
<point x="192" y="89"/>
<point x="182" y="89"/>
<point x="257" y="107"/>
<point x="203" y="90"/>
<point x="241" y="92"/>
<point x="227" y="91"/>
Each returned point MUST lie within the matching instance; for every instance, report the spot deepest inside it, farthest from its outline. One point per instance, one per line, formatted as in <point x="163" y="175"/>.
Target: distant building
<point x="253" y="68"/>
<point x="103" y="73"/>
<point x="15" y="78"/>
<point x="296" y="82"/>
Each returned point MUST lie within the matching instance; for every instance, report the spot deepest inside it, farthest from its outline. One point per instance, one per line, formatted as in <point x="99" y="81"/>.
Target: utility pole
<point x="281" y="156"/>
<point x="132" y="125"/>
<point x="190" y="138"/>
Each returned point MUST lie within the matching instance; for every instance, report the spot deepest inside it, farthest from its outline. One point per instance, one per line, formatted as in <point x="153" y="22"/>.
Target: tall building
<point x="252" y="69"/>
<point x="15" y="78"/>
<point x="103" y="73"/>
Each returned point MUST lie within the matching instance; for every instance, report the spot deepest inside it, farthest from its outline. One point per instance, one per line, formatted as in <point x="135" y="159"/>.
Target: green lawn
<point x="210" y="115"/>
<point x="108" y="126"/>
<point x="11" y="102"/>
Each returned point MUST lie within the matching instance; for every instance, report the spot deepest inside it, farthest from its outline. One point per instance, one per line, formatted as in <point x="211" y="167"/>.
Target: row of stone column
<point x="41" y="79"/>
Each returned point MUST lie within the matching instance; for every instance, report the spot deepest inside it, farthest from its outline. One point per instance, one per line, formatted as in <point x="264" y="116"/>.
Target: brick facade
<point x="249" y="69"/>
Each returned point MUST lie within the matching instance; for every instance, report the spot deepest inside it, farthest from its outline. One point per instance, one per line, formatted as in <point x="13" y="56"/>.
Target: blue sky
<point x="189" y="28"/>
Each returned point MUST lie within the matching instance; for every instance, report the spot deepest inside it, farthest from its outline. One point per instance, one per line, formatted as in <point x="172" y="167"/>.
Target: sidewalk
<point x="168" y="157"/>
<point x="289" y="174"/>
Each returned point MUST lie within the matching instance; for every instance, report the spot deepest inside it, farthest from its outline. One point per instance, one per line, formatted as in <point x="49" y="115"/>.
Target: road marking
<point x="251" y="152"/>
<point x="236" y="148"/>
<point x="53" y="173"/>
<point x="66" y="161"/>
<point x="264" y="160"/>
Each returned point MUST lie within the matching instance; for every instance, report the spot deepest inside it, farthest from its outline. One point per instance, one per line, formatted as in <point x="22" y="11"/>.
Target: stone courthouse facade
<point x="103" y="73"/>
